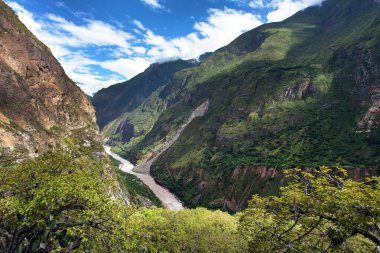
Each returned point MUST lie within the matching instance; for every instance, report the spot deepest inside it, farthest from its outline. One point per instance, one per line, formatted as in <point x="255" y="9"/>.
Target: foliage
<point x="60" y="202"/>
<point x="321" y="211"/>
<point x="197" y="230"/>
<point x="138" y="192"/>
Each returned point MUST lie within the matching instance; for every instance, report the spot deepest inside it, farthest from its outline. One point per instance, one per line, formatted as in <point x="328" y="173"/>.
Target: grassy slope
<point x="251" y="123"/>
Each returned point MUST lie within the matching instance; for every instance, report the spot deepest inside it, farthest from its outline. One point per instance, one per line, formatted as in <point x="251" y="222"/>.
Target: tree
<point x="190" y="230"/>
<point x="322" y="211"/>
<point x="60" y="202"/>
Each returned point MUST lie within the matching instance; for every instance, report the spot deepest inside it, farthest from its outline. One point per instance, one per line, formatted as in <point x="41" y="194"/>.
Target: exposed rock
<point x="300" y="90"/>
<point x="243" y="181"/>
<point x="366" y="75"/>
<point x="125" y="132"/>
<point x="39" y="104"/>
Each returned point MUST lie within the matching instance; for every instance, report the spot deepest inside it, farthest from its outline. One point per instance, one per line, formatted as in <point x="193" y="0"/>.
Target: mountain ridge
<point x="142" y="85"/>
<point x="302" y="92"/>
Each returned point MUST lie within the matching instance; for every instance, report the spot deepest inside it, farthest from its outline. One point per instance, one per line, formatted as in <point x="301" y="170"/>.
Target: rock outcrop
<point x="39" y="104"/>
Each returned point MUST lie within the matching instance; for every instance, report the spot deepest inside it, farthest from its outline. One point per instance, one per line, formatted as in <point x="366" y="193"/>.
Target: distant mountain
<point x="39" y="104"/>
<point x="204" y="56"/>
<point x="304" y="92"/>
<point x="117" y="99"/>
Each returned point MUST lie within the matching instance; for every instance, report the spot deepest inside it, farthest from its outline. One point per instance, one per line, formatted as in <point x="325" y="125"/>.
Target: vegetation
<point x="138" y="192"/>
<point x="110" y="103"/>
<point x="284" y="95"/>
<point x="60" y="202"/>
<point x="323" y="211"/>
<point x="197" y="230"/>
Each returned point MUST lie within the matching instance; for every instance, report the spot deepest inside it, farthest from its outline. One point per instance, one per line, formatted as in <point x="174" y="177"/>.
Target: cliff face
<point x="39" y="104"/>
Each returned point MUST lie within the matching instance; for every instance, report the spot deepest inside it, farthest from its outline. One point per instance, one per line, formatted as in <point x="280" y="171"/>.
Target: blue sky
<point x="100" y="43"/>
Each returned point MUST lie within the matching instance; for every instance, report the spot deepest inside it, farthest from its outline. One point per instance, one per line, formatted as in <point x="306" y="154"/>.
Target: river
<point x="168" y="199"/>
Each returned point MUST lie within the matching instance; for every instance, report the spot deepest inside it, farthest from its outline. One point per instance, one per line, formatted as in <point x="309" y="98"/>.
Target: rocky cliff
<point x="39" y="104"/>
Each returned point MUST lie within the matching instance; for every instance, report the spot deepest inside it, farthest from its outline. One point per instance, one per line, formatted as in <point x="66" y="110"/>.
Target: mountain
<point x="112" y="102"/>
<point x="304" y="92"/>
<point x="39" y="104"/>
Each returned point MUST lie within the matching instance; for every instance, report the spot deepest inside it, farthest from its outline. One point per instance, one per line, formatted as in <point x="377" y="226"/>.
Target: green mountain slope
<point x="302" y="92"/>
<point x="117" y="99"/>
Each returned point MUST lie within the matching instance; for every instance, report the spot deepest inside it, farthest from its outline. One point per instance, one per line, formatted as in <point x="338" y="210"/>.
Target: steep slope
<point x="39" y="104"/>
<point x="117" y="99"/>
<point x="302" y="92"/>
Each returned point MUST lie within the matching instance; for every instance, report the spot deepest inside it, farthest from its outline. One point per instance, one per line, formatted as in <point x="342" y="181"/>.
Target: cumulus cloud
<point x="93" y="33"/>
<point x="78" y="67"/>
<point x="123" y="54"/>
<point x="282" y="9"/>
<point x="219" y="29"/>
<point x="128" y="66"/>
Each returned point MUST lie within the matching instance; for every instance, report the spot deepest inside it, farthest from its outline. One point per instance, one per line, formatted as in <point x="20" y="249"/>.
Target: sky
<point x="100" y="43"/>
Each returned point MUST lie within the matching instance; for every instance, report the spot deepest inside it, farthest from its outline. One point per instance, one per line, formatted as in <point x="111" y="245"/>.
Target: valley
<point x="219" y="132"/>
<point x="168" y="200"/>
<point x="298" y="93"/>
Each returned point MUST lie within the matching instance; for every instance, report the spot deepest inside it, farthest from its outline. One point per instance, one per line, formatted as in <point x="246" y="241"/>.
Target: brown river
<point x="168" y="199"/>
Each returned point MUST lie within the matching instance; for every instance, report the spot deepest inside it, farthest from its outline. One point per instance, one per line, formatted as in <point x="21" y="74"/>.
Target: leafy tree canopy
<point x="322" y="211"/>
<point x="60" y="202"/>
<point x="190" y="230"/>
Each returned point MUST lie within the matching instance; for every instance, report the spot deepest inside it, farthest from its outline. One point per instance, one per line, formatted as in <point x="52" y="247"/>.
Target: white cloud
<point x="257" y="4"/>
<point x="286" y="8"/>
<point x="282" y="9"/>
<point x="139" y="24"/>
<point x="128" y="66"/>
<point x="153" y="4"/>
<point x="219" y="29"/>
<point x="62" y="36"/>
<point x="93" y="33"/>
<point x="77" y="67"/>
<point x="124" y="55"/>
